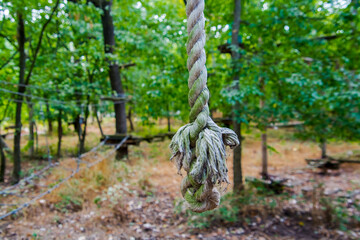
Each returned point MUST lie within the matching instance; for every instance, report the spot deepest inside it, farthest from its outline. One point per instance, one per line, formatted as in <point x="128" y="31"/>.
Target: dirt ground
<point x="146" y="187"/>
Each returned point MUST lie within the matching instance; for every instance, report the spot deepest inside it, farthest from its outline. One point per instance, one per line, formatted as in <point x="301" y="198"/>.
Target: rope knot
<point x="205" y="163"/>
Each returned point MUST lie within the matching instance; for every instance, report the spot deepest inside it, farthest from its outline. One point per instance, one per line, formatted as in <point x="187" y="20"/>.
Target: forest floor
<point x="139" y="198"/>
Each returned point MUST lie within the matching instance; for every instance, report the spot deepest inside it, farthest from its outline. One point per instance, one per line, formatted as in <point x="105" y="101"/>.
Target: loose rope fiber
<point x="199" y="147"/>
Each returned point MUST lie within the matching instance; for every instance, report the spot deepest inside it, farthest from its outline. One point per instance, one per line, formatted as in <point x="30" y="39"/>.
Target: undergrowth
<point x="261" y="203"/>
<point x="234" y="208"/>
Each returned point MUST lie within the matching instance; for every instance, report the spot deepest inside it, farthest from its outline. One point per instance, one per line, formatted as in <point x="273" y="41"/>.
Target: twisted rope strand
<point x="199" y="147"/>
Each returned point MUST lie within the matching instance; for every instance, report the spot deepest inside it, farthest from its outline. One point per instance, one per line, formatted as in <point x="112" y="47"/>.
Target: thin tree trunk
<point x="130" y="119"/>
<point x="235" y="55"/>
<point x="3" y="164"/>
<point x="114" y="72"/>
<point x="87" y="113"/>
<point x="83" y="133"/>
<point x="60" y="133"/>
<point x="323" y="148"/>
<point x="21" y="90"/>
<point x="36" y="138"/>
<point x="168" y="119"/>
<point x="31" y="128"/>
<point x="48" y="116"/>
<point x="264" y="172"/>
<point x="98" y="122"/>
<point x="77" y="124"/>
<point x="264" y="153"/>
<point x="79" y="136"/>
<point x="3" y="159"/>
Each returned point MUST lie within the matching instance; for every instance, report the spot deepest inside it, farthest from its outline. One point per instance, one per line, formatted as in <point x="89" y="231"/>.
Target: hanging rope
<point x="199" y="147"/>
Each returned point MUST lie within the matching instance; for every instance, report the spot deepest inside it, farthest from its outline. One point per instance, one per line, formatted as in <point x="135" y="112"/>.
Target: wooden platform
<point x="329" y="162"/>
<point x="229" y="121"/>
<point x="134" y="140"/>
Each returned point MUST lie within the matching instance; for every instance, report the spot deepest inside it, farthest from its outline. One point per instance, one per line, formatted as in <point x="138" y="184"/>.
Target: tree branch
<point x="7" y="62"/>
<point x="9" y="40"/>
<point x="39" y="43"/>
<point x="127" y="65"/>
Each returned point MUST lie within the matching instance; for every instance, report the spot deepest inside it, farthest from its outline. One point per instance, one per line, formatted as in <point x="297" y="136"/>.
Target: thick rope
<point x="199" y="147"/>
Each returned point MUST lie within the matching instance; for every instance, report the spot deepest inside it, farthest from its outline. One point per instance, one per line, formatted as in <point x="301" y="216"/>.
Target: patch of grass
<point x="337" y="214"/>
<point x="71" y="199"/>
<point x="145" y="184"/>
<point x="69" y="203"/>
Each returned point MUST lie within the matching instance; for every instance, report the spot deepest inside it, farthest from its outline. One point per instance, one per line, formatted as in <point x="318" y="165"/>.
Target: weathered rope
<point x="199" y="147"/>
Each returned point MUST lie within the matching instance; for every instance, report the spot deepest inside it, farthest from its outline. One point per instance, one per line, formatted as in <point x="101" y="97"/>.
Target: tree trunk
<point x="77" y="125"/>
<point x="48" y="116"/>
<point x="3" y="159"/>
<point x="3" y="164"/>
<point x="36" y="138"/>
<point x="114" y="72"/>
<point x="235" y="55"/>
<point x="168" y="119"/>
<point x="264" y="172"/>
<point x="98" y="122"/>
<point x="79" y="137"/>
<point x="323" y="148"/>
<point x="60" y="133"/>
<point x="21" y="90"/>
<point x="31" y="128"/>
<point x="264" y="153"/>
<point x="83" y="133"/>
<point x="130" y="119"/>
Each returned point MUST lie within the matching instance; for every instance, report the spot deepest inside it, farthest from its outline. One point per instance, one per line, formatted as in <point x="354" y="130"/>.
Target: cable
<point x="74" y="171"/>
<point x="50" y="102"/>
<point x="42" y="88"/>
<point x="49" y="166"/>
<point x="39" y="98"/>
<point x="27" y="179"/>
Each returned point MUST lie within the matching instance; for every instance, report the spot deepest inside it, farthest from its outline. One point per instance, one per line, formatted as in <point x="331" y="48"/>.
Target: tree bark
<point x="235" y="55"/>
<point x="21" y="90"/>
<point x="60" y="133"/>
<point x="264" y="153"/>
<point x="114" y="73"/>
